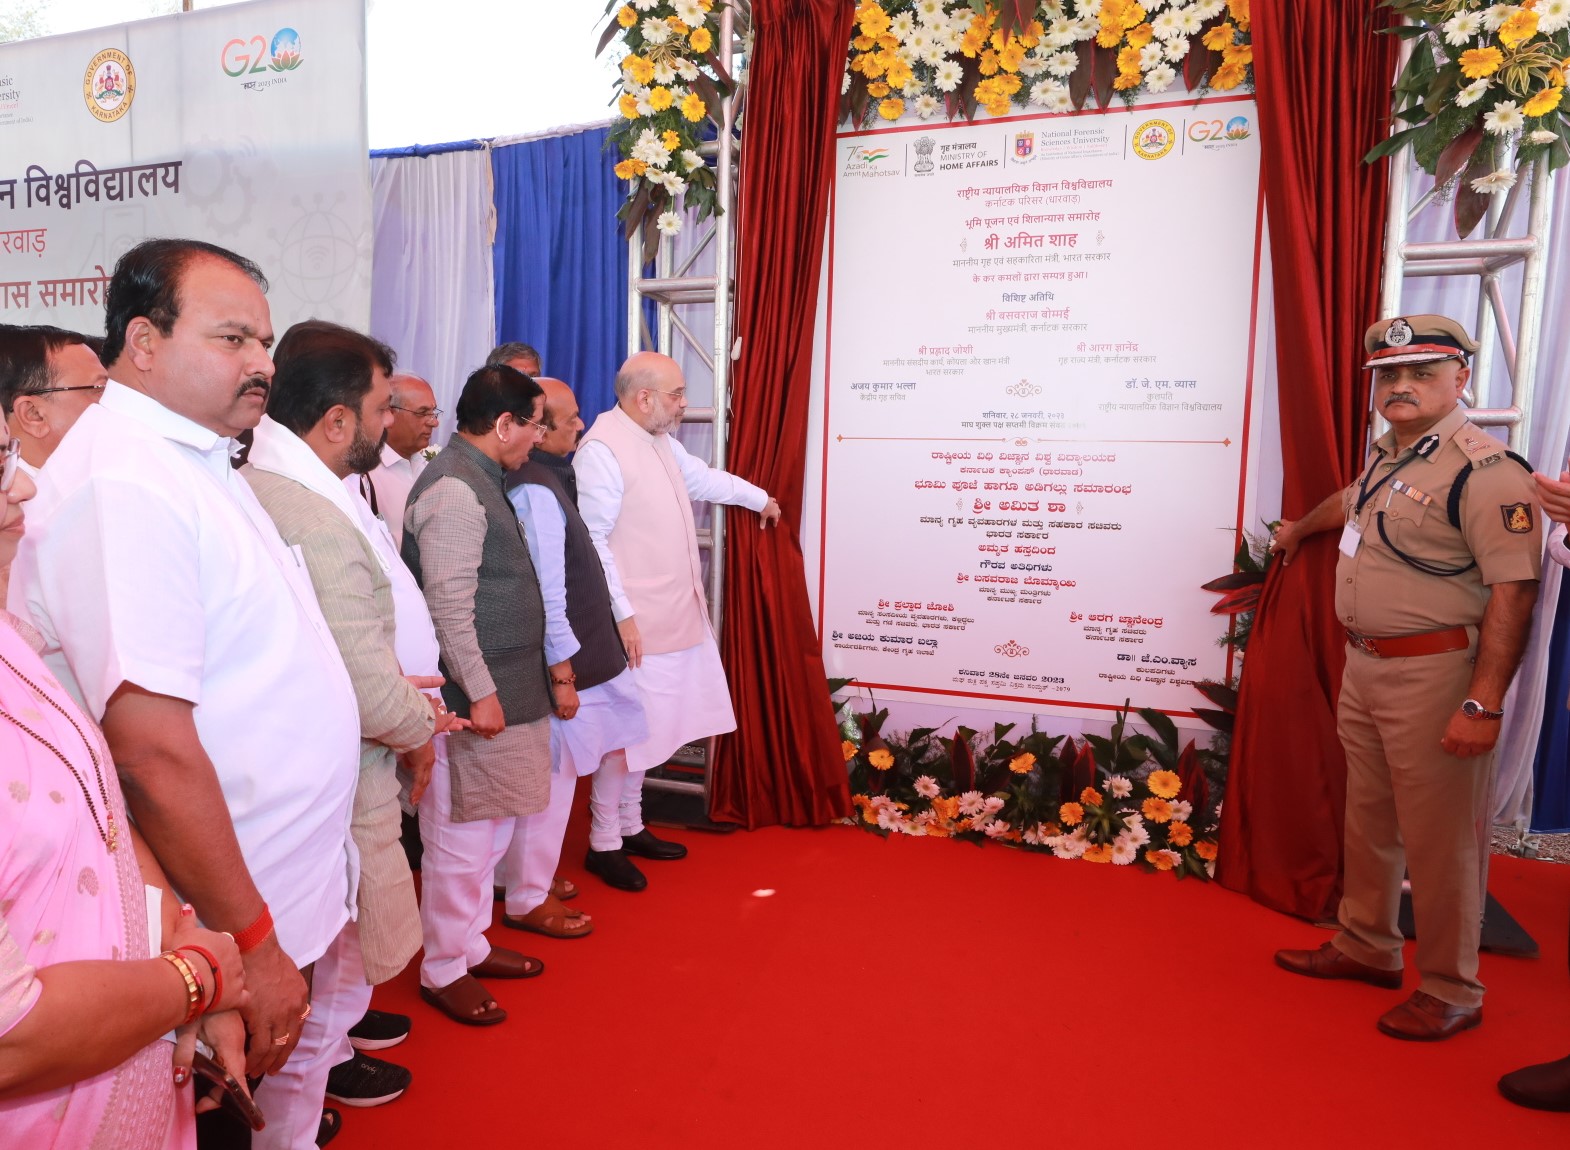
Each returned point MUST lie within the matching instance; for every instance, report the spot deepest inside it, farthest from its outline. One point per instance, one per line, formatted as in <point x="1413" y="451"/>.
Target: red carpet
<point x="913" y="992"/>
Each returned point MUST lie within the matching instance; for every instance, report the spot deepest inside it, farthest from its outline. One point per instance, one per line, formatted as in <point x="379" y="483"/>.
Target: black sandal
<point x="327" y="1129"/>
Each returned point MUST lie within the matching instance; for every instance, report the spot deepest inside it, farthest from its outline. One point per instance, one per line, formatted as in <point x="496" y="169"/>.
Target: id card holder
<point x="1351" y="539"/>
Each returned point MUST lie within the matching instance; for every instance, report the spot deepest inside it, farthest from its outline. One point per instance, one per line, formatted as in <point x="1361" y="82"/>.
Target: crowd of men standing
<point x="294" y="657"/>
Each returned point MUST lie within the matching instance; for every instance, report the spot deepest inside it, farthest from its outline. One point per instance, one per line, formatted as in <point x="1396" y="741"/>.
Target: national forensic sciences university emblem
<point x="1154" y="139"/>
<point x="109" y="85"/>
<point x="1024" y="145"/>
<point x="924" y="164"/>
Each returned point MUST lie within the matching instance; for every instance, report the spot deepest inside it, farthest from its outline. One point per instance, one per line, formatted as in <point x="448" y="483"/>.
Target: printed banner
<point x="1039" y="350"/>
<point x="243" y="126"/>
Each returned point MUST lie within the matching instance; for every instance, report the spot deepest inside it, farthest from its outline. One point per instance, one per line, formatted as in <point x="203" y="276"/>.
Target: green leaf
<point x="1161" y="724"/>
<point x="1392" y="144"/>
<point x="838" y="685"/>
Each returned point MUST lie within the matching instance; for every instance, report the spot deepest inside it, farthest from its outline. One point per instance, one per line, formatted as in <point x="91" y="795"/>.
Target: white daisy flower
<point x="1043" y="92"/>
<point x="1119" y="786"/>
<point x="935" y="54"/>
<point x="1151" y="55"/>
<point x="927" y="105"/>
<point x="645" y="5"/>
<point x="920" y="40"/>
<point x="689" y="12"/>
<point x="1062" y="63"/>
<point x="929" y="10"/>
<point x="1032" y="65"/>
<point x="947" y="76"/>
<point x="1061" y="101"/>
<point x="1473" y="92"/>
<point x="1504" y="119"/>
<point x="927" y="787"/>
<point x="686" y="69"/>
<point x="995" y="829"/>
<point x="1152" y="6"/>
<point x="691" y="160"/>
<point x="1182" y="810"/>
<point x="1541" y="136"/>
<point x="669" y="223"/>
<point x="644" y="107"/>
<point x="1553" y="16"/>
<point x="664" y="73"/>
<point x="845" y="83"/>
<point x="1498" y="14"/>
<point x="1168" y="24"/>
<point x="1087" y="9"/>
<point x="1462" y="27"/>
<point x="1060" y="34"/>
<point x="1190" y="21"/>
<point x="903" y="25"/>
<point x="971" y="803"/>
<point x="1177" y="48"/>
<point x="655" y="31"/>
<point x="1208" y="9"/>
<point x="1495" y="182"/>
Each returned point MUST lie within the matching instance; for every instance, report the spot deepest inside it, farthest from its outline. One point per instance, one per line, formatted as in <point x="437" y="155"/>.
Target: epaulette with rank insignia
<point x="1482" y="449"/>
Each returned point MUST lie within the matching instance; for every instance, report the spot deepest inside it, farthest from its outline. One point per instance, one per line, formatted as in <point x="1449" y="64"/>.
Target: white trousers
<point x="456" y="873"/>
<point x="292" y="1099"/>
<point x="615" y="803"/>
<point x="534" y="848"/>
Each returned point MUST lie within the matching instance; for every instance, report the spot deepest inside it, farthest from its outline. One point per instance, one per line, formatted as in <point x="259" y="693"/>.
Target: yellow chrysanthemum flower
<point x="1228" y="76"/>
<point x="989" y="63"/>
<point x="863" y="43"/>
<point x="693" y="107"/>
<point x="1133" y="16"/>
<point x="1543" y="103"/>
<point x="1518" y="28"/>
<point x="1479" y="62"/>
<point x="641" y="70"/>
<point x="881" y="759"/>
<point x="1022" y="763"/>
<point x="624" y="170"/>
<point x="701" y="40"/>
<point x="877" y="90"/>
<point x="1109" y="36"/>
<point x="892" y="108"/>
<point x="1128" y="60"/>
<point x="1127" y="80"/>
<point x="899" y="73"/>
<point x="1219" y="37"/>
<point x="661" y="98"/>
<point x="628" y="105"/>
<point x="847" y="748"/>
<point x="1164" y="784"/>
<point x="678" y="26"/>
<point x="874" y="64"/>
<point x="1071" y="814"/>
<point x="1238" y="10"/>
<point x="626" y="17"/>
<point x="671" y="140"/>
<point x="1012" y="56"/>
<point x="1139" y="37"/>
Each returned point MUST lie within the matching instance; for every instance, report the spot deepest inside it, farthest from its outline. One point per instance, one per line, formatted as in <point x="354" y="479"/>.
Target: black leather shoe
<point x="615" y="868"/>
<point x="646" y="846"/>
<point x="1545" y="1086"/>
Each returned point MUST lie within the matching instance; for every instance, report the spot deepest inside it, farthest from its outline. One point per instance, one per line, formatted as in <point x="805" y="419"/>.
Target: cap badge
<point x="1399" y="333"/>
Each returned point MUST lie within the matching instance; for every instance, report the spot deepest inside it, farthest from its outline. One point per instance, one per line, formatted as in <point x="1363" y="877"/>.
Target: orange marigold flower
<point x="1091" y="797"/>
<point x="1158" y="860"/>
<point x="626" y="17"/>
<point x="1012" y="56"/>
<point x="989" y="63"/>
<point x="628" y="105"/>
<point x="1101" y="853"/>
<point x="1109" y="36"/>
<point x="1220" y="36"/>
<point x="1238" y="10"/>
<point x="1238" y="54"/>
<point x="1022" y="763"/>
<point x="1140" y="36"/>
<point x="1128" y="60"/>
<point x="1228" y="76"/>
<point x="881" y="758"/>
<point x="1520" y="27"/>
<point x="874" y="64"/>
<point x="868" y="815"/>
<point x="1071" y="814"/>
<point x="1543" y="103"/>
<point x="701" y="40"/>
<point x="848" y="749"/>
<point x="946" y="808"/>
<point x="1479" y="62"/>
<point x="888" y="42"/>
<point x="1156" y="810"/>
<point x="1180" y="834"/>
<point x="1133" y="16"/>
<point x="863" y="43"/>
<point x="877" y="90"/>
<point x="1164" y="784"/>
<point x="937" y="831"/>
<point x="892" y="108"/>
<point x="1205" y="849"/>
<point x="1127" y="80"/>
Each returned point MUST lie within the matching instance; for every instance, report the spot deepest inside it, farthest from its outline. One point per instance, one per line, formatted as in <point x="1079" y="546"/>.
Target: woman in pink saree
<point x="85" y="998"/>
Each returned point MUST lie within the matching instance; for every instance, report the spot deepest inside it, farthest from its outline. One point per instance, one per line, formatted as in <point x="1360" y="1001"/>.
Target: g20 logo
<point x="1235" y="129"/>
<point x="258" y="54"/>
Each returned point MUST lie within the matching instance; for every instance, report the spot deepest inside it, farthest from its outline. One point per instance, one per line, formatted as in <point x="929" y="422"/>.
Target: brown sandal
<point x="552" y="918"/>
<point x="504" y="963"/>
<point x="465" y="1001"/>
<point x="563" y="888"/>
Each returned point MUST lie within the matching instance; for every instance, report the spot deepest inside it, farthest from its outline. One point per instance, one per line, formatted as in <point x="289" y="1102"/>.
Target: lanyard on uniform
<point x="1365" y="492"/>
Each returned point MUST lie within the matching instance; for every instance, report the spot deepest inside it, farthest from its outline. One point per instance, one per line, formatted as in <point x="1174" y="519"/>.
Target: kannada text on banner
<point x="1037" y="402"/>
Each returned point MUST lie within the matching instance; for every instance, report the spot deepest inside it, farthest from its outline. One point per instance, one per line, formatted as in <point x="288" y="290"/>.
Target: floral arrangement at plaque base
<point x="1482" y="94"/>
<point x="1129" y="799"/>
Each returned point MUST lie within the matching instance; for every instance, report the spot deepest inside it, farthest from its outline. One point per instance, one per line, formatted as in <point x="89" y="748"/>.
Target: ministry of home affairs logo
<point x="109" y="85"/>
<point x="924" y="164"/>
<point x="1154" y="139"/>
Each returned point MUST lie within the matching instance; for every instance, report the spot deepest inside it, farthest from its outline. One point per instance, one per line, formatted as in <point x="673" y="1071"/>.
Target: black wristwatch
<point x="1472" y="709"/>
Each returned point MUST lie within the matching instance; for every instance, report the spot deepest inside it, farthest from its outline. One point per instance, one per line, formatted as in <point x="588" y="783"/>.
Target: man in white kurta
<point x="635" y="486"/>
<point x="177" y="616"/>
<point x="415" y="418"/>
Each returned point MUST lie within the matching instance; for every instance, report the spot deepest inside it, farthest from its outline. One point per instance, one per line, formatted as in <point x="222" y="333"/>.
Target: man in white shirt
<point x="634" y="485"/>
<point x="177" y="616"/>
<point x="415" y="418"/>
<point x="48" y="377"/>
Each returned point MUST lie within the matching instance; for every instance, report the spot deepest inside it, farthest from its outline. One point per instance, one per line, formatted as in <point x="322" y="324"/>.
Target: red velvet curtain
<point x="1322" y="79"/>
<point x="783" y="764"/>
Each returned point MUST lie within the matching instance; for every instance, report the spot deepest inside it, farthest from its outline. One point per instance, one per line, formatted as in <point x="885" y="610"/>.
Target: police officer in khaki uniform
<point x="1441" y="544"/>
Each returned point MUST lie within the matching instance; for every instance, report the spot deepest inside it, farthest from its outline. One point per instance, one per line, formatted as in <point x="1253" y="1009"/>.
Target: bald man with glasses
<point x="415" y="418"/>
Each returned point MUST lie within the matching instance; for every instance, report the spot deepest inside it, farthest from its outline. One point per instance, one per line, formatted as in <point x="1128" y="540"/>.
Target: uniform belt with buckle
<point x="1406" y="646"/>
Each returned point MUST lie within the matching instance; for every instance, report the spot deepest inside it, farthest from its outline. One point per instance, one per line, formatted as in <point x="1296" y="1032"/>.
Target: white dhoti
<point x="686" y="698"/>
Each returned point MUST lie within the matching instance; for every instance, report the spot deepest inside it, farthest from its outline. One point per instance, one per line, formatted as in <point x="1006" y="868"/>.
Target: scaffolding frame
<point x="678" y="285"/>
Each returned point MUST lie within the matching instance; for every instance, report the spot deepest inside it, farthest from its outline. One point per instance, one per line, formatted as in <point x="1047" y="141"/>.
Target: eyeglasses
<point x="54" y="390"/>
<point x="678" y="395"/>
<point x="539" y="428"/>
<point x="8" y="464"/>
<point x="426" y="413"/>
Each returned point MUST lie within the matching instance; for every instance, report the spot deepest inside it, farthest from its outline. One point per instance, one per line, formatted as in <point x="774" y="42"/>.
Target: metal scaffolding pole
<point x="675" y="289"/>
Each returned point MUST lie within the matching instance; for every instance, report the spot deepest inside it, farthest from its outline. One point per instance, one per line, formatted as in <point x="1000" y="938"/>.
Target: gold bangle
<point x="193" y="984"/>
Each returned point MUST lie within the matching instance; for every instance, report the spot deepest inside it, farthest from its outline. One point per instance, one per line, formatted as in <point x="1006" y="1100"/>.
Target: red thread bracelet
<point x="218" y="974"/>
<point x="254" y="935"/>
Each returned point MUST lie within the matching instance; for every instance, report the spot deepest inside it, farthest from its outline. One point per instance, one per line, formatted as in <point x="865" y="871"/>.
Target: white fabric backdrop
<point x="433" y="295"/>
<point x="1548" y="432"/>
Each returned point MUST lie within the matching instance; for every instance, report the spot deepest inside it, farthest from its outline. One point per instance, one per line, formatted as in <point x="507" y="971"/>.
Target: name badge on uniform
<point x="1351" y="539"/>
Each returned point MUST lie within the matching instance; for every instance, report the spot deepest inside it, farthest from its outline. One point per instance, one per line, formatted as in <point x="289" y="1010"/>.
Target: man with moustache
<point x="180" y="619"/>
<point x="635" y="487"/>
<point x="328" y="410"/>
<point x="1441" y="541"/>
<point x="415" y="417"/>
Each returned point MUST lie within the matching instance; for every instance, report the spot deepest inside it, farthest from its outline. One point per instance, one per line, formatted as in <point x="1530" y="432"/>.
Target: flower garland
<point x="671" y="84"/>
<point x="1130" y="799"/>
<point x="1482" y="78"/>
<point x="954" y="56"/>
